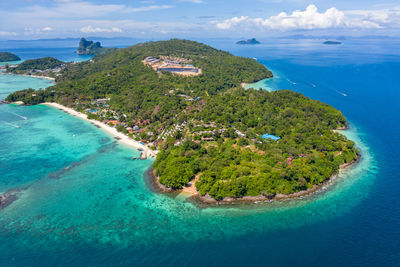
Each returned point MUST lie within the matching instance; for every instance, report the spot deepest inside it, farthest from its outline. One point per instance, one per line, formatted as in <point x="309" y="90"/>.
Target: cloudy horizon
<point x="33" y="19"/>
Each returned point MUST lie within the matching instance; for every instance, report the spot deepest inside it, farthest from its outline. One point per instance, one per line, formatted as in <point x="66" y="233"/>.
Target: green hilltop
<point x="6" y="57"/>
<point x="207" y="127"/>
<point x="37" y="64"/>
<point x="46" y="67"/>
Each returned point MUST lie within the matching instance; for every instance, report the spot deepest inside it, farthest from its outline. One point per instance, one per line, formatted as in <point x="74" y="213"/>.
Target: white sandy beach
<point x="32" y="76"/>
<point x="40" y="77"/>
<point x="112" y="131"/>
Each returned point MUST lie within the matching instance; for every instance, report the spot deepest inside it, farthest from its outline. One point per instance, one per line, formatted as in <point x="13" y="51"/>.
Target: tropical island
<point x="6" y="57"/>
<point x="252" y="41"/>
<point x="45" y="67"/>
<point x="91" y="48"/>
<point x="331" y="43"/>
<point x="210" y="134"/>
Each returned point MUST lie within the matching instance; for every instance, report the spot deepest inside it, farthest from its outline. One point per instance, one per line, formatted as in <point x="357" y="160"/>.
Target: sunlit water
<point x="82" y="200"/>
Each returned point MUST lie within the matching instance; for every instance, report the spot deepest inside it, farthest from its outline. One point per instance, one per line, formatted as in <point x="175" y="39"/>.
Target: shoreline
<point x="38" y="76"/>
<point x="190" y="190"/>
<point x="110" y="130"/>
<point x="32" y="76"/>
<point x="243" y="84"/>
<point x="193" y="194"/>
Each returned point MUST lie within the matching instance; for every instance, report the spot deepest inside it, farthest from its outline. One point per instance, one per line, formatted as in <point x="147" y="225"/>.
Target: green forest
<point x="307" y="154"/>
<point x="39" y="64"/>
<point x="208" y="127"/>
<point x="6" y="56"/>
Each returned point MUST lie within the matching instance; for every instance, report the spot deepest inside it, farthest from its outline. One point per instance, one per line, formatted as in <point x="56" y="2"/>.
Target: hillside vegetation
<point x="40" y="64"/>
<point x="6" y="56"/>
<point x="239" y="162"/>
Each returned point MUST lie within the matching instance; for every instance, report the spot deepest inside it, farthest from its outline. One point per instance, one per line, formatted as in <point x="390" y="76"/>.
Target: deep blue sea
<point x="82" y="201"/>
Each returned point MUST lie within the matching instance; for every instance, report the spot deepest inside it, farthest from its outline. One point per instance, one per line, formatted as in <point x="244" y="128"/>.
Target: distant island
<point x="50" y="67"/>
<point x="213" y="138"/>
<point x="252" y="41"/>
<point x="6" y="56"/>
<point x="331" y="43"/>
<point x="91" y="48"/>
<point x="45" y="67"/>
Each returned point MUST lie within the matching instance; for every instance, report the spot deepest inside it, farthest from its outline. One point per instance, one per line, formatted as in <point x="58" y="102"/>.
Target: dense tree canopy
<point x="6" y="56"/>
<point x="308" y="153"/>
<point x="37" y="64"/>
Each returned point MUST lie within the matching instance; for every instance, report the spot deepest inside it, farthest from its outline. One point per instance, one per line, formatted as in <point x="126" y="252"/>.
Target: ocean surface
<point x="83" y="201"/>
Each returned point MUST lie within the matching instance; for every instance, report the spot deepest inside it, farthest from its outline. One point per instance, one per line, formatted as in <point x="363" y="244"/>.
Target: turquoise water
<point x="64" y="50"/>
<point x="11" y="83"/>
<point x="274" y="83"/>
<point x="82" y="200"/>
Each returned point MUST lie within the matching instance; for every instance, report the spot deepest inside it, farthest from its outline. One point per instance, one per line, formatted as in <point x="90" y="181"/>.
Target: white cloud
<point x="230" y="23"/>
<point x="193" y="1"/>
<point x="4" y="33"/>
<point x="147" y="8"/>
<point x="70" y="17"/>
<point x="70" y="9"/>
<point x="47" y="29"/>
<point x="91" y="29"/>
<point x="33" y="31"/>
<point x="116" y="29"/>
<point x="308" y="19"/>
<point x="382" y="16"/>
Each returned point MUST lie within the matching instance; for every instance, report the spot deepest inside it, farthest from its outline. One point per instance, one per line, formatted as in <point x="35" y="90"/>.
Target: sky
<point x="34" y="19"/>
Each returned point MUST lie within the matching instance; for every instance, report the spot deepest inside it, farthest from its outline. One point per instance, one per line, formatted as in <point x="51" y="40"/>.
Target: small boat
<point x="142" y="143"/>
<point x="134" y="158"/>
<point x="140" y="149"/>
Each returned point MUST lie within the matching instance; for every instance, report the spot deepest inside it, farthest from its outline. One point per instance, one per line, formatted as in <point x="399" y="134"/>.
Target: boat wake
<point x="341" y="93"/>
<point x="11" y="124"/>
<point x="22" y="117"/>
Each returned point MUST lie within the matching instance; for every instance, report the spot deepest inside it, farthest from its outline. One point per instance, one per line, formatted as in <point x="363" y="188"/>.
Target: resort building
<point x="173" y="65"/>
